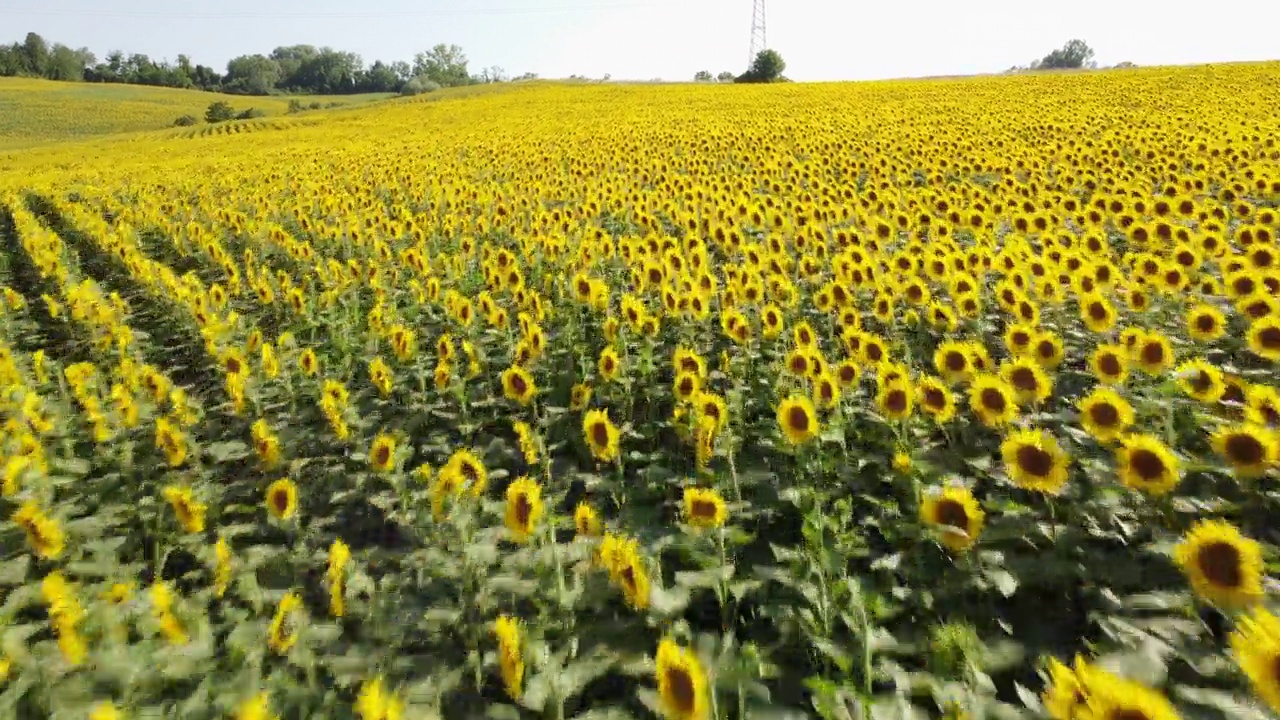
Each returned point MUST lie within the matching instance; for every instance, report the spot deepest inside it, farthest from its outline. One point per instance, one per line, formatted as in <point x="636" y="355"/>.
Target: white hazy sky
<point x="669" y="39"/>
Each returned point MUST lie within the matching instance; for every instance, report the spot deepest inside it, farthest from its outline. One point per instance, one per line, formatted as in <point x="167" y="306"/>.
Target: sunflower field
<point x="949" y="398"/>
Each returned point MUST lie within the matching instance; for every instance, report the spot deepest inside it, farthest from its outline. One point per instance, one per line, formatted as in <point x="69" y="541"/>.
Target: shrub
<point x="219" y="111"/>
<point x="251" y="113"/>
<point x="186" y="121"/>
<point x="295" y="106"/>
<point x="419" y="86"/>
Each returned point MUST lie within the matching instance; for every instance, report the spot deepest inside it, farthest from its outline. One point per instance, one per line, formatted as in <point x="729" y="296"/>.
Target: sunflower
<point x="894" y="400"/>
<point x="308" y="363"/>
<point x="1264" y="338"/>
<point x="189" y="511"/>
<point x="283" y="632"/>
<point x="797" y="362"/>
<point x="44" y="534"/>
<point x="935" y="399"/>
<point x="1065" y="697"/>
<point x="510" y="654"/>
<point x="1034" y="461"/>
<point x="956" y="515"/>
<point x="1200" y="380"/>
<point x="375" y="703"/>
<point x="1223" y="566"/>
<point x="1110" y="364"/>
<point x="826" y="391"/>
<point x="1047" y="350"/>
<point x="282" y="499"/>
<point x="1153" y="353"/>
<point x="952" y="361"/>
<point x="609" y="364"/>
<point x="686" y="386"/>
<point x="1029" y="381"/>
<point x="1205" y="323"/>
<point x="993" y="401"/>
<point x="171" y="440"/>
<point x="1144" y="463"/>
<point x="518" y="385"/>
<point x="626" y="568"/>
<point x="1019" y="337"/>
<point x="524" y="508"/>
<point x="682" y="684"/>
<point x="382" y="453"/>
<point x="1262" y="406"/>
<point x="265" y="443"/>
<point x="704" y="508"/>
<point x="579" y="396"/>
<point x="1256" y="646"/>
<point x="586" y="521"/>
<point x="1105" y="415"/>
<point x="601" y="435"/>
<point x="797" y="419"/>
<point x="1097" y="313"/>
<point x="1250" y="449"/>
<point x="1110" y="697"/>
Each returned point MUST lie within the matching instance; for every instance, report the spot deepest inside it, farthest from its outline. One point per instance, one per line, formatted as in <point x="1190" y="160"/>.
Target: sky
<point x="669" y="39"/>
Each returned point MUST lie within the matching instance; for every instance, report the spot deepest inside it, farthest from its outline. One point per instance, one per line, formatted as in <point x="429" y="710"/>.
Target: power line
<point x="333" y="15"/>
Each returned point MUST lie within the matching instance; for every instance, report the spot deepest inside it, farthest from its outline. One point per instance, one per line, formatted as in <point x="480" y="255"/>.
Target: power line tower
<point x="758" y="40"/>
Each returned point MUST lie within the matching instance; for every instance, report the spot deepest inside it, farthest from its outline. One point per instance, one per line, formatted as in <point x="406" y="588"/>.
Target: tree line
<point x="303" y="69"/>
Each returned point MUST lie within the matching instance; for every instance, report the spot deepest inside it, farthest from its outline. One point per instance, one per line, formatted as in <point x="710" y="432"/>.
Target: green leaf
<point x="1004" y="581"/>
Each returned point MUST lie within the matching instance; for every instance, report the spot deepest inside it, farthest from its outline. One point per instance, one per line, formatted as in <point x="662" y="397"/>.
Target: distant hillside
<point x="38" y="111"/>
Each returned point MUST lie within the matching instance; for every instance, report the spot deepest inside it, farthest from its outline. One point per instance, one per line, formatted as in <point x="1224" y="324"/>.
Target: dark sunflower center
<point x="518" y="385"/>
<point x="1034" y="461"/>
<point x="686" y="387"/>
<point x="799" y="365"/>
<point x="1220" y="563"/>
<point x="798" y="419"/>
<point x="1109" y="364"/>
<point x="1047" y="349"/>
<point x="1153" y="353"/>
<point x="934" y="398"/>
<point x="523" y="509"/>
<point x="233" y="366"/>
<point x="280" y="501"/>
<point x="993" y="400"/>
<point x="1244" y="449"/>
<point x="1269" y="338"/>
<point x="1021" y="339"/>
<point x="683" y="695"/>
<point x="1104" y="414"/>
<point x="874" y="353"/>
<point x="1024" y="379"/>
<point x="1202" y="382"/>
<point x="702" y="509"/>
<point x="1097" y="311"/>
<point x="382" y="455"/>
<point x="600" y="434"/>
<point x="896" y="401"/>
<point x="956" y="362"/>
<point x="846" y="374"/>
<point x="950" y="512"/>
<point x="1147" y="464"/>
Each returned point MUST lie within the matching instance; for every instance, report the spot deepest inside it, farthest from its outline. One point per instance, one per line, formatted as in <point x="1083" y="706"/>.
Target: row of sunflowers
<point x="940" y="398"/>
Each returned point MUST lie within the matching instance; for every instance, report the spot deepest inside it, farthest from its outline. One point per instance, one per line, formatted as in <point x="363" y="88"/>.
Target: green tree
<point x="1075" y="54"/>
<point x="766" y="68"/>
<point x="725" y="77"/>
<point x="702" y="76"/>
<point x="67" y="64"/>
<point x="252" y="75"/>
<point x="220" y="111"/>
<point x="35" y="55"/>
<point x="443" y="64"/>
